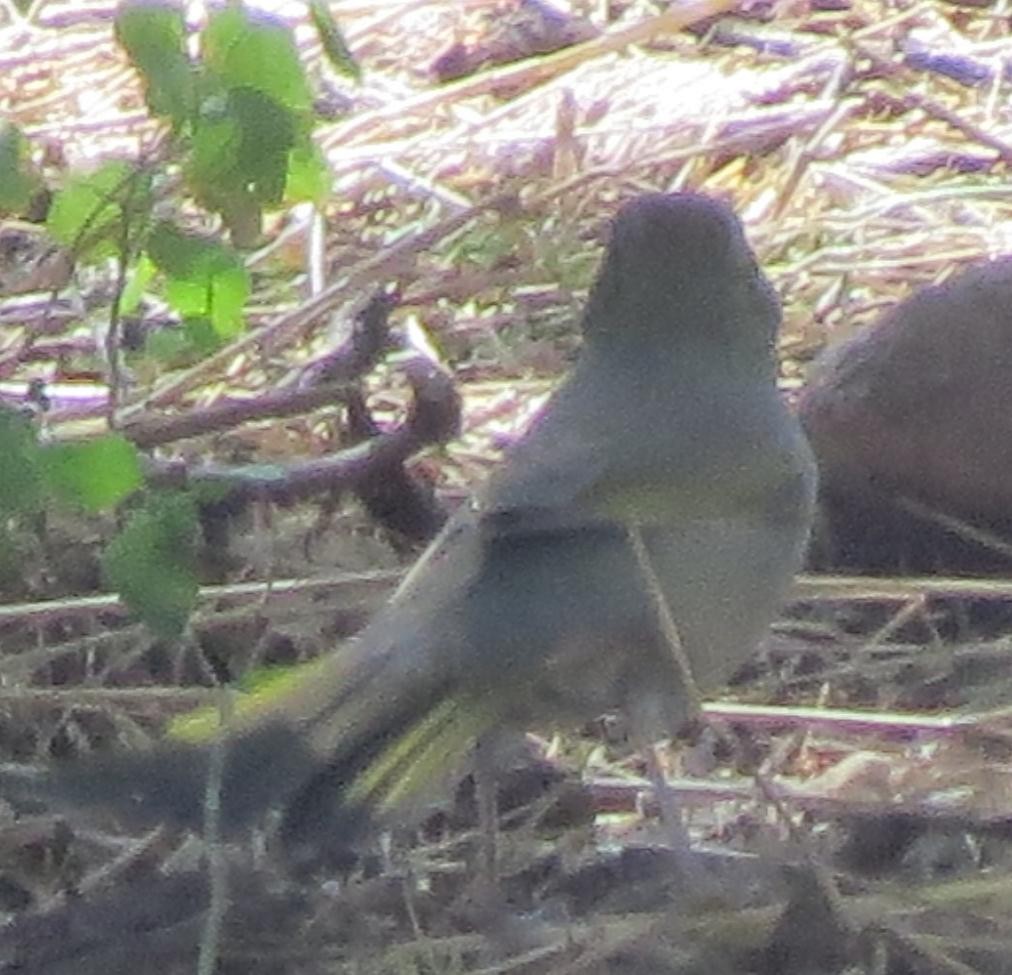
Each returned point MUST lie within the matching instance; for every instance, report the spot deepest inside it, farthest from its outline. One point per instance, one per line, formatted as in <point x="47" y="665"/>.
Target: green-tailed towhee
<point x="532" y="607"/>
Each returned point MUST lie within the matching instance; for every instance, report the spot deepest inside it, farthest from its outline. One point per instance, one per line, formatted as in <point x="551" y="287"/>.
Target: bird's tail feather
<point x="169" y="782"/>
<point x="424" y="753"/>
<point x="375" y="748"/>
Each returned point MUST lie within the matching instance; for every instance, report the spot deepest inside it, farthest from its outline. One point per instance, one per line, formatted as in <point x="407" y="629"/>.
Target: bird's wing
<point x="550" y="477"/>
<point x="742" y="460"/>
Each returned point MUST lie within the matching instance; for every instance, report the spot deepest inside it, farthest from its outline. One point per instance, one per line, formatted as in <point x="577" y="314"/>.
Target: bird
<point x="665" y="478"/>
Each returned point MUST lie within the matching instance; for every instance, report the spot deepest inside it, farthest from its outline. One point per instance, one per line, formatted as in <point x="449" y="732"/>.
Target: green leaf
<point x="218" y="294"/>
<point x="94" y="474"/>
<point x="139" y="278"/>
<point x="243" y="215"/>
<point x="268" y="132"/>
<point x="206" y="279"/>
<point x="18" y="182"/>
<point x="154" y="36"/>
<point x="21" y="484"/>
<point x="250" y="49"/>
<point x="309" y="176"/>
<point x="216" y="143"/>
<point x="251" y="137"/>
<point x="176" y="253"/>
<point x="88" y="214"/>
<point x="241" y="157"/>
<point x="171" y="347"/>
<point x="201" y="338"/>
<point x="151" y="563"/>
<point x="335" y="47"/>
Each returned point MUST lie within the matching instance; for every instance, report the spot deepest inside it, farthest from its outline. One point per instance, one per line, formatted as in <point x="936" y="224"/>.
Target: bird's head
<point x="678" y="269"/>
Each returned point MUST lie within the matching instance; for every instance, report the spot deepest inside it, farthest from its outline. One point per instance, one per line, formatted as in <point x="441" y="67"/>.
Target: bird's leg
<point x="697" y="881"/>
<point x="667" y="801"/>
<point x="688" y="863"/>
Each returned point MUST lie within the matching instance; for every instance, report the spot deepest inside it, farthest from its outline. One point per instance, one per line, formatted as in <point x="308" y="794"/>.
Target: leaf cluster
<point x="237" y="113"/>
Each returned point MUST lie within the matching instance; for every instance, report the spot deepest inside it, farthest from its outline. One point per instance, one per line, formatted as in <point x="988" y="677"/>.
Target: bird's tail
<point x="168" y="782"/>
<point x="393" y="776"/>
<point x="360" y="738"/>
